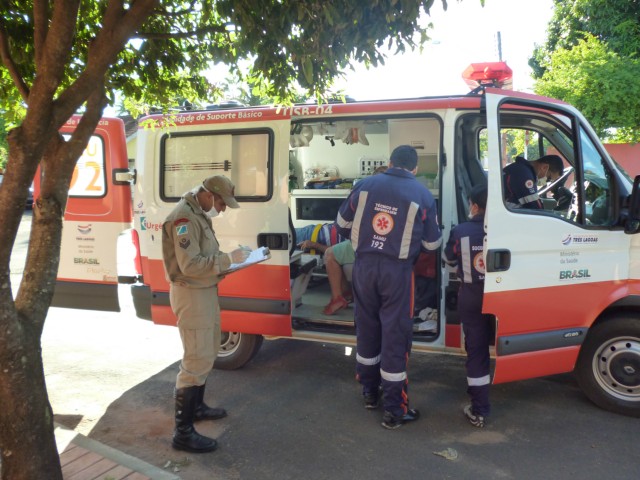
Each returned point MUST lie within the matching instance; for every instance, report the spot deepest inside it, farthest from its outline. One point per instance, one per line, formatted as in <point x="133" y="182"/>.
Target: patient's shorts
<point x="344" y="253"/>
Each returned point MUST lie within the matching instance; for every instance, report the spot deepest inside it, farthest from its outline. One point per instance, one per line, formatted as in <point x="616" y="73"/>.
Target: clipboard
<point x="256" y="256"/>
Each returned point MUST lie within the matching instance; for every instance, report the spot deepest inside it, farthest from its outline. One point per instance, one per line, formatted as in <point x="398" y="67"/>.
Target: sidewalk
<point x="85" y="459"/>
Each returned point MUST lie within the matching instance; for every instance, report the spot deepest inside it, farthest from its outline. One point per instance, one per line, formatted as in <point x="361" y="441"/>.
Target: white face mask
<point x="213" y="213"/>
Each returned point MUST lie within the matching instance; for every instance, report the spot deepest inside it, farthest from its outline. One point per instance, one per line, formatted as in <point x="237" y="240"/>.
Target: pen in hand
<point x="239" y="255"/>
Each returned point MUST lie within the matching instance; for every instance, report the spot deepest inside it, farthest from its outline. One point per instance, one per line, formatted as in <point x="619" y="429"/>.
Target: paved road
<point x="296" y="413"/>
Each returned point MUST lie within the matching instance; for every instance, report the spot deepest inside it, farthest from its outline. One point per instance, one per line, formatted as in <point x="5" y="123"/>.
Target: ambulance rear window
<point x="243" y="156"/>
<point x="89" y="178"/>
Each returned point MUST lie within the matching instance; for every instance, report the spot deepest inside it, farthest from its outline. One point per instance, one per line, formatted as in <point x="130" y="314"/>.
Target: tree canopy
<point x="60" y="57"/>
<point x="591" y="60"/>
<point x="301" y="43"/>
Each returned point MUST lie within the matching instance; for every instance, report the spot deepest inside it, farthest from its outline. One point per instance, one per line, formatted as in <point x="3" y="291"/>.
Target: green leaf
<point x="307" y="69"/>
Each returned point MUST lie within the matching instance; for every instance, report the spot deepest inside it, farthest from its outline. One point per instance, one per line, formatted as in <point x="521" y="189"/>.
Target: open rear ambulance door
<point x="546" y="275"/>
<point x="251" y="148"/>
<point x="98" y="211"/>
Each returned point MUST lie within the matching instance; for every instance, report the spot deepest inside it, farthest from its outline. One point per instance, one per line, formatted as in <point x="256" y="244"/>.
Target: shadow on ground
<point x="295" y="412"/>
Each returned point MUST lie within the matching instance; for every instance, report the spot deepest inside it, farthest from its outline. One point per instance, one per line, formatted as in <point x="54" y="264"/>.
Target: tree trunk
<point x="26" y="418"/>
<point x="27" y="444"/>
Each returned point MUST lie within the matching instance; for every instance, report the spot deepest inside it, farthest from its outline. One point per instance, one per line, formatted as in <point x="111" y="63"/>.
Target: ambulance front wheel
<point x="608" y="367"/>
<point x="236" y="349"/>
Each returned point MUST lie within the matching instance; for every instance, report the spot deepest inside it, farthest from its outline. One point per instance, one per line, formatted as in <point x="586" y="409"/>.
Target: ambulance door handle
<point x="498" y="260"/>
<point x="274" y="241"/>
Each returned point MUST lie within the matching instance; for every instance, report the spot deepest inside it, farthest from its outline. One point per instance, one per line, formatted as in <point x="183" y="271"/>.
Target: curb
<point x="65" y="436"/>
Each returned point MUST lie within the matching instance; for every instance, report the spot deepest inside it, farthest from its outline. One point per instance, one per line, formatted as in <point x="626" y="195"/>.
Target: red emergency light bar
<point x="494" y="74"/>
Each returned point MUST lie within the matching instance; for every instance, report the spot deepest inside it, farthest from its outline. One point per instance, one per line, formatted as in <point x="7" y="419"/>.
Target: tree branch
<point x="7" y="61"/>
<point x="52" y="58"/>
<point x="86" y="126"/>
<point x="193" y="33"/>
<point x="41" y="27"/>
<point x="185" y="11"/>
<point x="118" y="25"/>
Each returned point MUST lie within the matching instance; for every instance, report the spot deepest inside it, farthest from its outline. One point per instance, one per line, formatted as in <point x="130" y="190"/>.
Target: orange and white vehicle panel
<point x="98" y="211"/>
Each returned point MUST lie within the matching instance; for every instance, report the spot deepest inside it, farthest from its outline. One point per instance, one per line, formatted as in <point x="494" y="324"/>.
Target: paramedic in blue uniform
<point x="193" y="263"/>
<point x="389" y="218"/>
<point x="464" y="250"/>
<point x="521" y="180"/>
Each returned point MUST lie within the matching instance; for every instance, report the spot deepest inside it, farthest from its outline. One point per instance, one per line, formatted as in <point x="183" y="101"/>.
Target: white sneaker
<point x="426" y="326"/>
<point x="475" y="420"/>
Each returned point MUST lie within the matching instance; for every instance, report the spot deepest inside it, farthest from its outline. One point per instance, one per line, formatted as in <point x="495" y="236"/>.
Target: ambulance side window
<point x="556" y="192"/>
<point x="243" y="156"/>
<point x="596" y="186"/>
<point x="581" y="193"/>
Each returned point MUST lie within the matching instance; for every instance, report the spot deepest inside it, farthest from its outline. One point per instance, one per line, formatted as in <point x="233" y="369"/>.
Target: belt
<point x="314" y="237"/>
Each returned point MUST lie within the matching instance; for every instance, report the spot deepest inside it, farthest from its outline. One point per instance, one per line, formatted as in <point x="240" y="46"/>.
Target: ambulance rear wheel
<point x="608" y="367"/>
<point x="236" y="349"/>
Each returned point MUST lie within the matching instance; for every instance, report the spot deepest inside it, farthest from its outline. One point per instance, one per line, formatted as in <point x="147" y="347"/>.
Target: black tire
<point x="236" y="349"/>
<point x="608" y="367"/>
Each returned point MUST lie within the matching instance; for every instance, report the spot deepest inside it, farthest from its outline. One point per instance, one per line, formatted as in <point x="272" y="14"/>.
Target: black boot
<point x="204" y="412"/>
<point x="185" y="436"/>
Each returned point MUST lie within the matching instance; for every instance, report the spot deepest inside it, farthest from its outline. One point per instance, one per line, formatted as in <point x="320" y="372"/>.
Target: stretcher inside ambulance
<point x="561" y="283"/>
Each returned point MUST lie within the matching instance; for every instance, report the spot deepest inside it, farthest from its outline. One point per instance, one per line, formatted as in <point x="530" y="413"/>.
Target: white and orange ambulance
<point x="562" y="285"/>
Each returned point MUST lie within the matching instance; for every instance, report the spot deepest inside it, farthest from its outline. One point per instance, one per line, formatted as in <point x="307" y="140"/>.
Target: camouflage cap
<point x="222" y="186"/>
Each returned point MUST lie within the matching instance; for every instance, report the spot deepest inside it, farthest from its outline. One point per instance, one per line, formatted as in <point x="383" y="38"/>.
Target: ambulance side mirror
<point x="632" y="225"/>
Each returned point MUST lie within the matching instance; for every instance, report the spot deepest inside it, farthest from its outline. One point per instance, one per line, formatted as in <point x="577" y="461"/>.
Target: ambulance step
<point x="321" y="325"/>
<point x="307" y="315"/>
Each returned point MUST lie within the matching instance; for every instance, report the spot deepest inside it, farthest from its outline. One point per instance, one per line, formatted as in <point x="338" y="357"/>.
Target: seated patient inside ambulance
<point x="318" y="237"/>
<point x="339" y="261"/>
<point x="321" y="236"/>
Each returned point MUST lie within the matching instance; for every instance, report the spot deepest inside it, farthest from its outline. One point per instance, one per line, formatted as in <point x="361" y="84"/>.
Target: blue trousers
<point x="477" y="337"/>
<point x="383" y="293"/>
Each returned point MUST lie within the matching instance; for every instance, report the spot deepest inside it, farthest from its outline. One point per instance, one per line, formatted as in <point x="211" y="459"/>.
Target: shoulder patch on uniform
<point x="529" y="184"/>
<point x="181" y="220"/>
<point x="182" y="230"/>
<point x="185" y="242"/>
